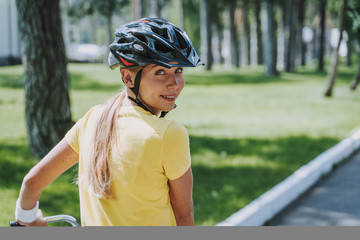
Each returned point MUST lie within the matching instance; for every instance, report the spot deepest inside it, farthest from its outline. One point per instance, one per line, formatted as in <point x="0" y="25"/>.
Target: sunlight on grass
<point x="247" y="132"/>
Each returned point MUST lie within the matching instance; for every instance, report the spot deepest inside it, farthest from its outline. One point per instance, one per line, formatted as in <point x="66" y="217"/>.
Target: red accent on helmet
<point x="145" y="21"/>
<point x="126" y="62"/>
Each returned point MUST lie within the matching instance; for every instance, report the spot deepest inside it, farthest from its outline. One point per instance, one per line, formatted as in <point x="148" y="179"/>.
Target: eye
<point x="179" y="70"/>
<point x="160" y="72"/>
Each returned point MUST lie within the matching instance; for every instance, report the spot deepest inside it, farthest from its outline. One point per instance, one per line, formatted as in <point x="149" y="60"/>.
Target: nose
<point x="173" y="81"/>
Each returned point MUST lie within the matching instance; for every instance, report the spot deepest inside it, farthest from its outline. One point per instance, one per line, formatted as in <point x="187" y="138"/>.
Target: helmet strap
<point x="135" y="89"/>
<point x="163" y="113"/>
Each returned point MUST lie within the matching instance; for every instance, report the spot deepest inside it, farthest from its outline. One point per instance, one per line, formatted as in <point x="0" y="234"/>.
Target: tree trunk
<point x="350" y="49"/>
<point x="109" y="30"/>
<point x="109" y="35"/>
<point x="154" y="8"/>
<point x="269" y="38"/>
<point x="205" y="50"/>
<point x="180" y="13"/>
<point x="321" y="52"/>
<point x="300" y="25"/>
<point x="48" y="113"/>
<point x="257" y="13"/>
<point x="234" y="46"/>
<point x="290" y="36"/>
<point x="356" y="79"/>
<point x="335" y="58"/>
<point x="220" y="36"/>
<point x="136" y="6"/>
<point x="245" y="37"/>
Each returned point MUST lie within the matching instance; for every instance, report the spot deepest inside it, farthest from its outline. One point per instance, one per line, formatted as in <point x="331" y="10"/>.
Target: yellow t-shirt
<point x="149" y="151"/>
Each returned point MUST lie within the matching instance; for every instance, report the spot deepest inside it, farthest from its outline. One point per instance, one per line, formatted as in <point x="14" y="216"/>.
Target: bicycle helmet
<point x="152" y="41"/>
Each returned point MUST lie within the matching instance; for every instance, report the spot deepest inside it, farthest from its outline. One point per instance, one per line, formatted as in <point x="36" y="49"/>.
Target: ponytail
<point x="97" y="178"/>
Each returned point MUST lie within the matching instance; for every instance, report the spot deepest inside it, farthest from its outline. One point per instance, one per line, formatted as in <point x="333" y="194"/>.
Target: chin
<point x="168" y="109"/>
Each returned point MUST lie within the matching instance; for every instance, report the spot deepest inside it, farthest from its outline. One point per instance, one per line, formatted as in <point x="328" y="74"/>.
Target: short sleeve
<point x="73" y="135"/>
<point x="175" y="151"/>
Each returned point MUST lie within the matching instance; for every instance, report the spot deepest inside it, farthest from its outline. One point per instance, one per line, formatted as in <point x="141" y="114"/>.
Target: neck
<point x="138" y="102"/>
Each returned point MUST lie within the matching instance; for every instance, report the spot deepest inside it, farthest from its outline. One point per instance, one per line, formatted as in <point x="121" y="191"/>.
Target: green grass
<point x="247" y="132"/>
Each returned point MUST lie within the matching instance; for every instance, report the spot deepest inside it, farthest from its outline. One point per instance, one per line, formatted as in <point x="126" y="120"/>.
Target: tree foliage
<point x="352" y="21"/>
<point x="81" y="8"/>
<point x="352" y="17"/>
<point x="192" y="21"/>
<point x="335" y="58"/>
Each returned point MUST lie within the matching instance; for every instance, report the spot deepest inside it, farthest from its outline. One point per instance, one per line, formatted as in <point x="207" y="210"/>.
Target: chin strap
<point x="135" y="89"/>
<point x="163" y="113"/>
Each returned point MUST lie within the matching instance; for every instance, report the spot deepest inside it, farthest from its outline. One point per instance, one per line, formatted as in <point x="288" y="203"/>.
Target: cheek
<point x="181" y="83"/>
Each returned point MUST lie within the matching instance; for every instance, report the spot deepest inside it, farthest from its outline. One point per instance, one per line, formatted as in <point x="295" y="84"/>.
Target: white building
<point x="77" y="48"/>
<point x="10" y="52"/>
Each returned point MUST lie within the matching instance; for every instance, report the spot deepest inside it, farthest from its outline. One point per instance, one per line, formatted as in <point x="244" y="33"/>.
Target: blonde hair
<point x="97" y="178"/>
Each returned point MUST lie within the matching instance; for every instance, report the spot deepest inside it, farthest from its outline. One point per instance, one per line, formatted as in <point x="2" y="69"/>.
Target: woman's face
<point x="160" y="87"/>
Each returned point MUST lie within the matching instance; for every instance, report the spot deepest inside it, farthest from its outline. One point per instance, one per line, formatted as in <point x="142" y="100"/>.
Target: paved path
<point x="333" y="201"/>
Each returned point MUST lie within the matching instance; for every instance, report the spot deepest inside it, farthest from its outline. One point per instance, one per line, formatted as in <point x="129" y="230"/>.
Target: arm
<point x="57" y="161"/>
<point x="181" y="199"/>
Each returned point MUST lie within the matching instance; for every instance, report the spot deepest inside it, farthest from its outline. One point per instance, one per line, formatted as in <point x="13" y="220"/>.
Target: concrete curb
<point x="276" y="199"/>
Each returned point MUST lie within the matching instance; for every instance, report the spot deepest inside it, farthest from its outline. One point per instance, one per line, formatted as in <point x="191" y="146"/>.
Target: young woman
<point x="134" y="165"/>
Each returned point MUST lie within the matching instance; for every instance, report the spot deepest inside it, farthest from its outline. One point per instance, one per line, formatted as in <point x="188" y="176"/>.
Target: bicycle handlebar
<point x="51" y="219"/>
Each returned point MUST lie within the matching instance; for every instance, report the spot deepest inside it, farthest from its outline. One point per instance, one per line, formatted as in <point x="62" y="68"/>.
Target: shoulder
<point x="163" y="126"/>
<point x="95" y="111"/>
<point x="175" y="130"/>
<point x="74" y="135"/>
<point x="92" y="113"/>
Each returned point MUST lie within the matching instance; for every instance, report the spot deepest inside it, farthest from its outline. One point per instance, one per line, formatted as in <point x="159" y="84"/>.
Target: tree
<point x="269" y="38"/>
<point x="352" y="19"/>
<point x="289" y="18"/>
<point x="234" y="42"/>
<point x="321" y="40"/>
<point x="356" y="78"/>
<point x="106" y="8"/>
<point x="335" y="58"/>
<point x="136" y="9"/>
<point x="179" y="13"/>
<point x="257" y="13"/>
<point x="48" y="115"/>
<point x="299" y="28"/>
<point x="217" y="12"/>
<point x="245" y="34"/>
<point x="205" y="50"/>
<point x="156" y="7"/>
<point x="192" y="21"/>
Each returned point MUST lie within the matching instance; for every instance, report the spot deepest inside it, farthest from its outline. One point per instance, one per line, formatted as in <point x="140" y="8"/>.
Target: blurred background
<point x="231" y="32"/>
<point x="277" y="90"/>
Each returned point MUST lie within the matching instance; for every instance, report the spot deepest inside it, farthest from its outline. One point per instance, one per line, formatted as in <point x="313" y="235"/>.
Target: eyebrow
<point x="152" y="65"/>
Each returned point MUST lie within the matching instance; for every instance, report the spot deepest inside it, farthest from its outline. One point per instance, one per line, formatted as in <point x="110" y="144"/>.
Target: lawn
<point x="247" y="132"/>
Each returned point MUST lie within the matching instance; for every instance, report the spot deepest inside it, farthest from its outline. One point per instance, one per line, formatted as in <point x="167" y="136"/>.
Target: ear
<point x="127" y="77"/>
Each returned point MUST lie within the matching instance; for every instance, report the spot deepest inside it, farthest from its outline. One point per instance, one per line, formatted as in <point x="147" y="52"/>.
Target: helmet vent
<point x="142" y="38"/>
<point x="123" y="40"/>
<point x="161" y="48"/>
<point x="161" y="32"/>
<point x="181" y="40"/>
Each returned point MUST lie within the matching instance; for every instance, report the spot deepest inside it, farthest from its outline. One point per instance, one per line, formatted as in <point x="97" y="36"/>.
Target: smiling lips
<point x="169" y="98"/>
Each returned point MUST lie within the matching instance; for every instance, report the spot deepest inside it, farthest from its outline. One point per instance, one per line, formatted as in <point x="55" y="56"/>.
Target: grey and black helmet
<point x="152" y="41"/>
